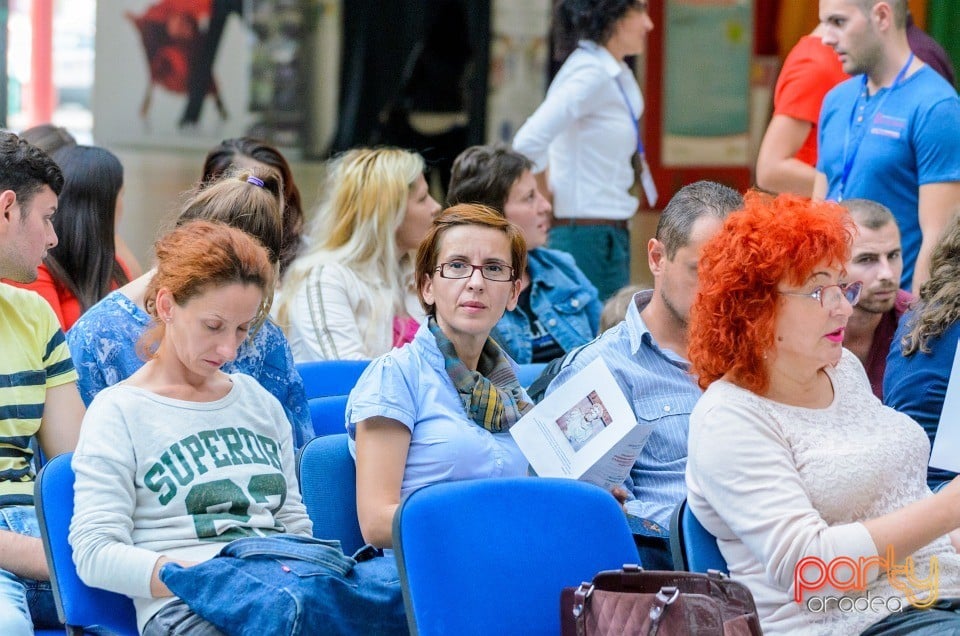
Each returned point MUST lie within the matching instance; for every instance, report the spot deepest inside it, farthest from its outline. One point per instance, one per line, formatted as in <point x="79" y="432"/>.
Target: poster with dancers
<point x="188" y="73"/>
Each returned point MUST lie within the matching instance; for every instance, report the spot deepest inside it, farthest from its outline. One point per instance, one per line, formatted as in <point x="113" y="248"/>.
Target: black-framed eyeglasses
<point x="830" y="295"/>
<point x="496" y="272"/>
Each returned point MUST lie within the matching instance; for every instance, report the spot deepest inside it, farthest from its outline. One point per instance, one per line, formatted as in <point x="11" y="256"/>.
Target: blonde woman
<point x="350" y="295"/>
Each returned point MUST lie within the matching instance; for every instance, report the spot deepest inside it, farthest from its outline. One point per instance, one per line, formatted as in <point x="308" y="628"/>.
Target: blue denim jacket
<point x="562" y="297"/>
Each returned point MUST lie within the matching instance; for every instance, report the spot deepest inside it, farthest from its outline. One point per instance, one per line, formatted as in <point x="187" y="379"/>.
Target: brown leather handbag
<point x="639" y="602"/>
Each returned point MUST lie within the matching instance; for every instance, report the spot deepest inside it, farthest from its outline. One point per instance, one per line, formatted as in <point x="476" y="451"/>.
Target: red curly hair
<point x="771" y="240"/>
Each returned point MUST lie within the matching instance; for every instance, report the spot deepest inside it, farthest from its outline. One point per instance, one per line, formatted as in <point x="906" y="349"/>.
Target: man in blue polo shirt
<point x="647" y="354"/>
<point x="891" y="133"/>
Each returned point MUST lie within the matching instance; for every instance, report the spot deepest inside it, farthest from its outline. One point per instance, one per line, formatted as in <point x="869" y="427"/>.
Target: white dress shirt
<point x="583" y="131"/>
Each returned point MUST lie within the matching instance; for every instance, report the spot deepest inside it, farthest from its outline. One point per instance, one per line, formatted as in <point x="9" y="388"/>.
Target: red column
<point x="42" y="94"/>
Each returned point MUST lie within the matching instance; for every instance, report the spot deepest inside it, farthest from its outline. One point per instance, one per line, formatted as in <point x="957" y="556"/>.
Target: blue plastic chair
<point x="328" y="484"/>
<point x="693" y="548"/>
<point x="323" y="378"/>
<point x="78" y="605"/>
<point x="530" y="372"/>
<point x="328" y="414"/>
<point x="491" y="556"/>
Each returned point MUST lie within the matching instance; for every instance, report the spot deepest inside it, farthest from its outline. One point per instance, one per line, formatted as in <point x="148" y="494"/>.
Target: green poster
<point x="707" y="81"/>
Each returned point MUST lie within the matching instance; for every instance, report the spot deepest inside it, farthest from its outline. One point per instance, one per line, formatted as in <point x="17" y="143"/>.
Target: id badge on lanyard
<point x="641" y="169"/>
<point x="850" y="152"/>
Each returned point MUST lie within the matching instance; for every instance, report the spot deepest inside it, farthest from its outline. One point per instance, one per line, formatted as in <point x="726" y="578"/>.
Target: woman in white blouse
<point x="350" y="294"/>
<point x="816" y="491"/>
<point x="587" y="133"/>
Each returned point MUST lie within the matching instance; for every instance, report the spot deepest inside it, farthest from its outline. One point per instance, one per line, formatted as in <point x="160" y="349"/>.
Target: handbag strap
<point x="663" y="599"/>
<point x="580" y="597"/>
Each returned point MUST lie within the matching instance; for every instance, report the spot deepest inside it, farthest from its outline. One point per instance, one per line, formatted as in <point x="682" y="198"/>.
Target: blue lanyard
<point x="633" y="117"/>
<point x="848" y="155"/>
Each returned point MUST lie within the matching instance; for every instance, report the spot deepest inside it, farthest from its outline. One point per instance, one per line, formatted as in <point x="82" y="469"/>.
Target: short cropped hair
<point x="869" y="214"/>
<point x="25" y="169"/>
<point x="703" y="198"/>
<point x="465" y="214"/>
<point x="485" y="175"/>
<point x="899" y="8"/>
<point x="769" y="241"/>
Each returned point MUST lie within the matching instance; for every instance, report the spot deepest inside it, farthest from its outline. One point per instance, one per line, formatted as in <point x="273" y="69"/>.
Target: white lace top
<point x="777" y="483"/>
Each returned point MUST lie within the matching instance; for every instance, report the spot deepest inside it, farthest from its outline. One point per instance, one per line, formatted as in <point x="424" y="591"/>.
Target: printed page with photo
<point x="585" y="431"/>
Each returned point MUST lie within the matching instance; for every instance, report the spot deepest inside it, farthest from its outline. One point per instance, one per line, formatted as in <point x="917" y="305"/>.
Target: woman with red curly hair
<point x="815" y="491"/>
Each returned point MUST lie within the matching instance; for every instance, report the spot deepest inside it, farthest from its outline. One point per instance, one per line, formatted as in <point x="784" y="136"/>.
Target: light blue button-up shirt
<point x="662" y="392"/>
<point x="411" y="385"/>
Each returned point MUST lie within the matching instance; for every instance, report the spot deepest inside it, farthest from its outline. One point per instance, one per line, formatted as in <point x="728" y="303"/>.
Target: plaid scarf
<point x="491" y="395"/>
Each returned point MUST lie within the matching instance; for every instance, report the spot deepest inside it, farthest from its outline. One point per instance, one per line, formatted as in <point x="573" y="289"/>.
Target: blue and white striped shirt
<point x="661" y="390"/>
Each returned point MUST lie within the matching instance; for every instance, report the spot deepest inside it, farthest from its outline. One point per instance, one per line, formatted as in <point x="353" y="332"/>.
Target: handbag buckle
<point x="580" y="597"/>
<point x="666" y="596"/>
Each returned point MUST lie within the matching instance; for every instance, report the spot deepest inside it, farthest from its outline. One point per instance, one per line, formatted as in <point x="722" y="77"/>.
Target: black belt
<point x="621" y="224"/>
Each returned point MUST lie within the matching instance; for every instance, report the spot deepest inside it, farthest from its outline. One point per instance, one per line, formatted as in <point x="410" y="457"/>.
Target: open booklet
<point x="586" y="430"/>
<point x="946" y="445"/>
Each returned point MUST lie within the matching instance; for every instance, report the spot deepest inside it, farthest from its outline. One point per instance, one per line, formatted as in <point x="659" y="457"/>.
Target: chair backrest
<point x="78" y="605"/>
<point x="323" y="378"/>
<point x="327" y="414"/>
<point x="530" y="372"/>
<point x="328" y="483"/>
<point x="693" y="548"/>
<point x="491" y="556"/>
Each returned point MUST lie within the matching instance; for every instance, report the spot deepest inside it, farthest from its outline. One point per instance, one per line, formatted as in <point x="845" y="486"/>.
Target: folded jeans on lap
<point x="289" y="585"/>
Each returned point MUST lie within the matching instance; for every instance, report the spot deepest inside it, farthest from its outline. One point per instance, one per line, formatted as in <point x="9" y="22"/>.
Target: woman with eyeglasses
<point x="440" y="408"/>
<point x="814" y="489"/>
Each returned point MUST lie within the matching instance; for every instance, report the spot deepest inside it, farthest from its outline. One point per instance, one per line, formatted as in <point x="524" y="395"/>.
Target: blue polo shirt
<point x="914" y="141"/>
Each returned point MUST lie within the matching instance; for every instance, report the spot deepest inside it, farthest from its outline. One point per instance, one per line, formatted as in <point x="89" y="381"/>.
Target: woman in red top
<point x="83" y="267"/>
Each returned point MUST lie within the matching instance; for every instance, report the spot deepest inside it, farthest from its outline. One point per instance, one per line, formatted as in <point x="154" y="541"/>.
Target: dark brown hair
<point x="485" y="175"/>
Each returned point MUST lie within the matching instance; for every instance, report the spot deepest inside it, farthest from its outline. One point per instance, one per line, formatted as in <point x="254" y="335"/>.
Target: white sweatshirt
<point x="158" y="476"/>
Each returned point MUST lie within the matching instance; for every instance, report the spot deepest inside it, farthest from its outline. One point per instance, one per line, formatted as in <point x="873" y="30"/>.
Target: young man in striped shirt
<point x="38" y="393"/>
